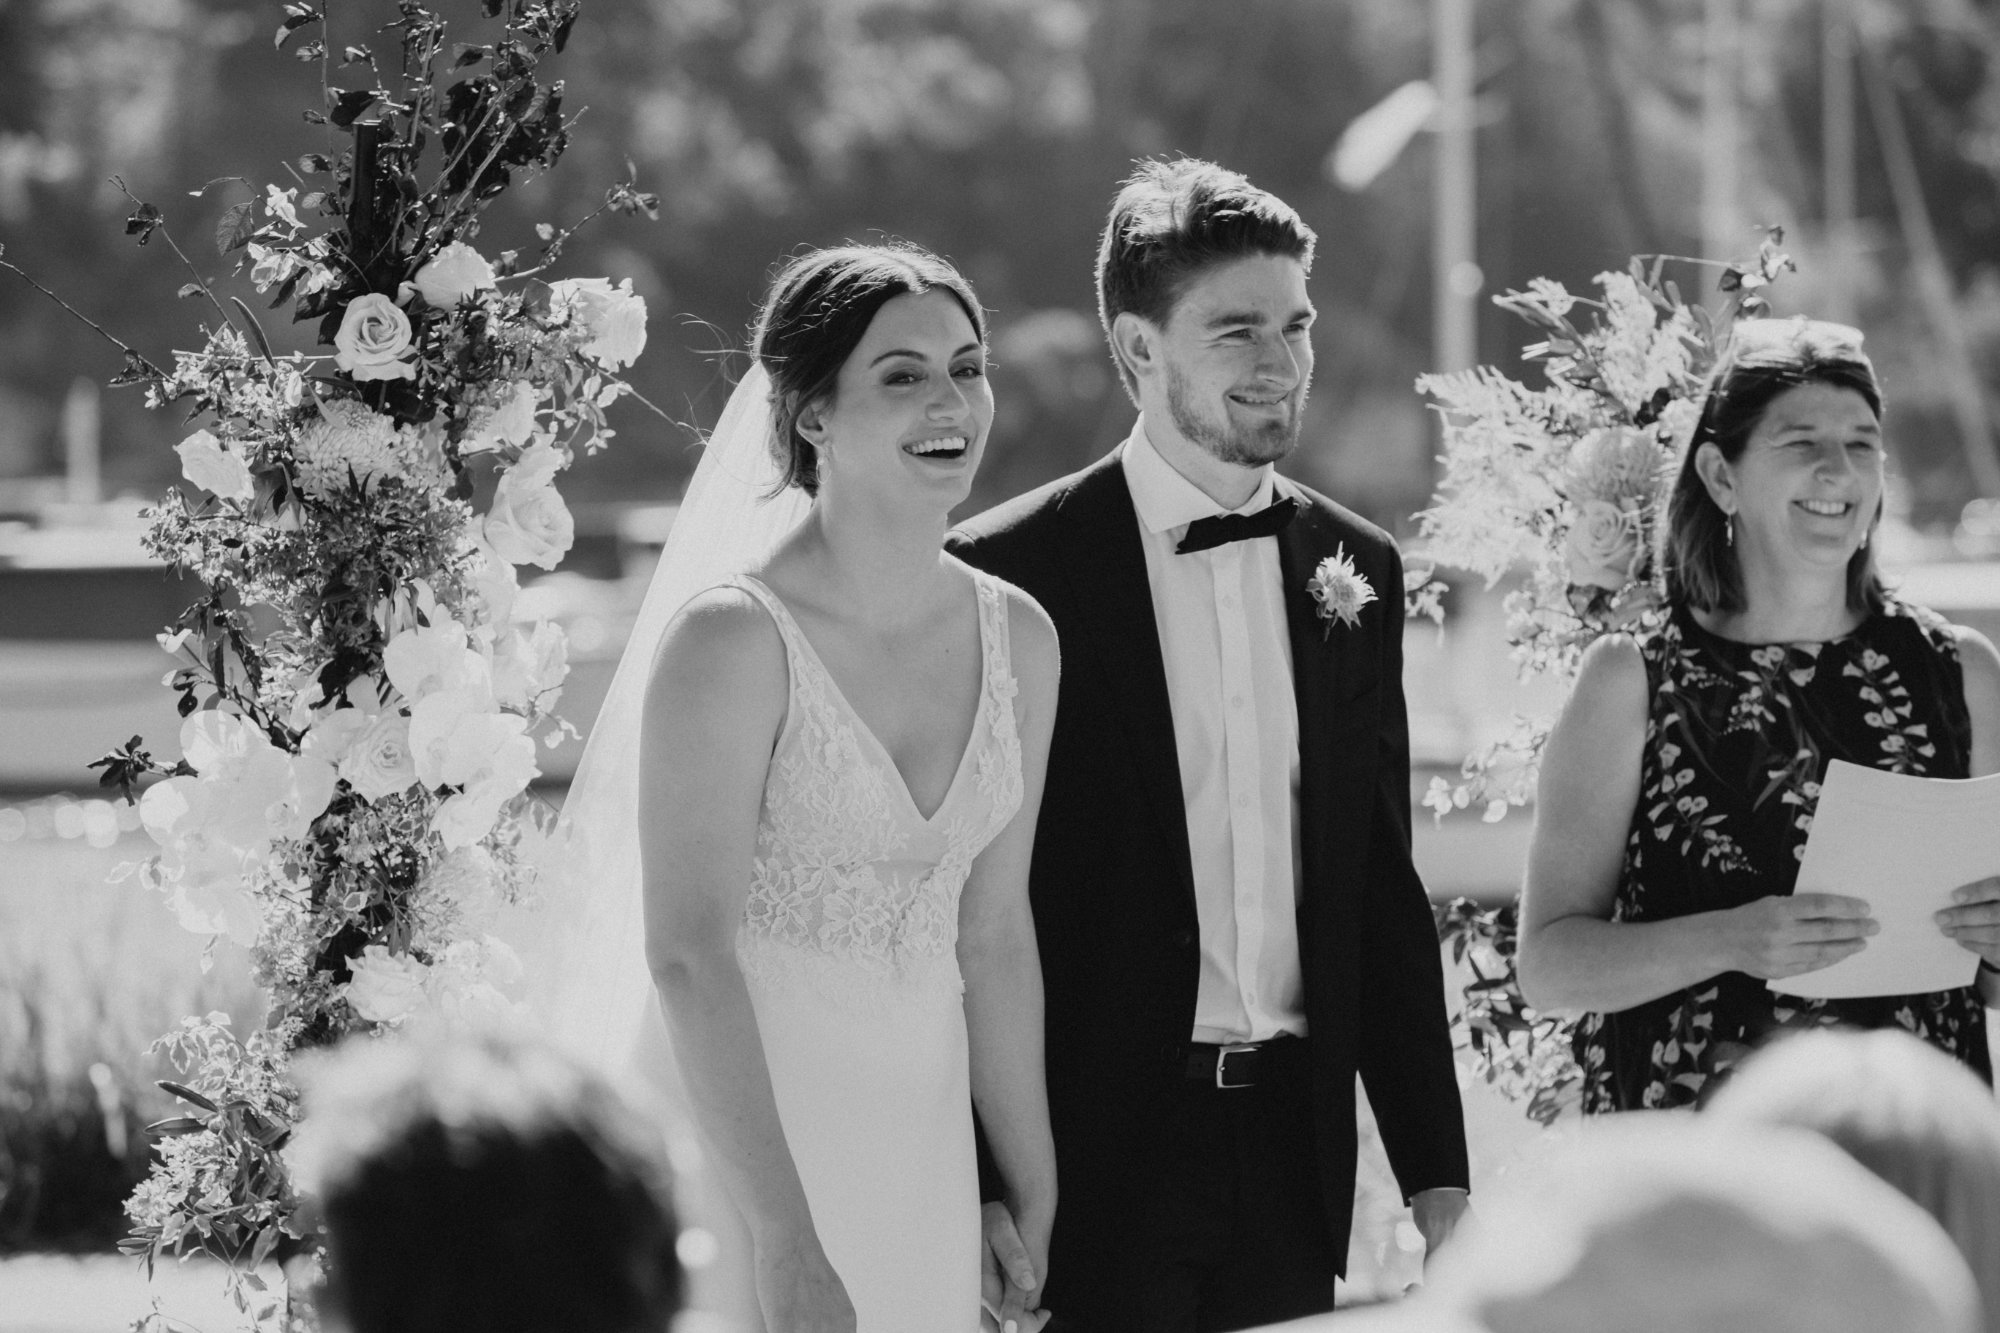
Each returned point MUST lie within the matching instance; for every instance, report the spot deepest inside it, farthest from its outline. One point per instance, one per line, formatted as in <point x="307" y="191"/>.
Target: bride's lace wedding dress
<point x="848" y="948"/>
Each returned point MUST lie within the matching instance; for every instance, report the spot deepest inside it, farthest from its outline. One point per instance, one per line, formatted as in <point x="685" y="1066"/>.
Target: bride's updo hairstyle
<point x="819" y="309"/>
<point x="1765" y="358"/>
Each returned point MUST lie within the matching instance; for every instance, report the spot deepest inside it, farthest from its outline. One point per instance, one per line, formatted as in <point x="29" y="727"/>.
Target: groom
<point x="1230" y="924"/>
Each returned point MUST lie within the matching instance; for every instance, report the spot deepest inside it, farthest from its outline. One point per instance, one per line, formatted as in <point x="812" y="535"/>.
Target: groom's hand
<point x="1437" y="1213"/>
<point x="1007" y="1282"/>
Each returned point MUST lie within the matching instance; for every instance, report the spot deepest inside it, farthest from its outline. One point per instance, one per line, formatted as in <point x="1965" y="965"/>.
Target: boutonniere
<point x="1339" y="589"/>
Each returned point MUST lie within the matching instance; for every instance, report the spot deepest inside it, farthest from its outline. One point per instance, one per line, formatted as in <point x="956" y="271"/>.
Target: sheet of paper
<point x="1903" y="844"/>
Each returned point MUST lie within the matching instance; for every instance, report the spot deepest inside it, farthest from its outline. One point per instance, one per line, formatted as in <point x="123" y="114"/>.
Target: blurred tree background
<point x="995" y="131"/>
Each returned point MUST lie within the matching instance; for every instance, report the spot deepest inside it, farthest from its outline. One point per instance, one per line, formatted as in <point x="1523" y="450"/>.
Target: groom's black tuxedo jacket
<point x="1113" y="887"/>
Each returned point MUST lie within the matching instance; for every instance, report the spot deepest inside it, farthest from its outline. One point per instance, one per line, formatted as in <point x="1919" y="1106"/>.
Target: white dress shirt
<point x="1227" y="649"/>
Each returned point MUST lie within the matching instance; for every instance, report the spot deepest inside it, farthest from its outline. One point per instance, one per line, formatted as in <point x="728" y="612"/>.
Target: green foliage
<point x="1525" y="1055"/>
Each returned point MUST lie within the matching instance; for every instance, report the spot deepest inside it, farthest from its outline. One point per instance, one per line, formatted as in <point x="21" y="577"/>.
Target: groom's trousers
<point x="1224" y="1228"/>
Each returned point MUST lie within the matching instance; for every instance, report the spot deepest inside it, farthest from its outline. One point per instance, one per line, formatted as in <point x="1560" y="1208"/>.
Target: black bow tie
<point x="1220" y="529"/>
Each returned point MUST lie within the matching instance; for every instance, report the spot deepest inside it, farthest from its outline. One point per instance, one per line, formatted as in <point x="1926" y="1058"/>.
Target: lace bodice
<point x="852" y="887"/>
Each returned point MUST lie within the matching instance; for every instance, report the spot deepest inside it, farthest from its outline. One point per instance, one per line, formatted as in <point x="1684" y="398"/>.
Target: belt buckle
<point x="1222" y="1062"/>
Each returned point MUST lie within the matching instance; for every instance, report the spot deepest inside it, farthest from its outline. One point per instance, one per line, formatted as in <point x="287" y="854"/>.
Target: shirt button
<point x="1235" y="701"/>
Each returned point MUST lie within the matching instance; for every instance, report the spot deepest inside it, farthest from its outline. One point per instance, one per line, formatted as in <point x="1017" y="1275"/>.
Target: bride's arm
<point x="714" y="705"/>
<point x="1002" y="970"/>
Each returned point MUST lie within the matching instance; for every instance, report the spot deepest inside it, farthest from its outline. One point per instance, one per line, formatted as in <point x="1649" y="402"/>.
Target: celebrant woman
<point x="1678" y="787"/>
<point x="841" y="739"/>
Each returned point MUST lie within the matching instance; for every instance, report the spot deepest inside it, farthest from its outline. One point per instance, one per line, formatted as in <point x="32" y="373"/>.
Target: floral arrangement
<point x="350" y="802"/>
<point x="1565" y="484"/>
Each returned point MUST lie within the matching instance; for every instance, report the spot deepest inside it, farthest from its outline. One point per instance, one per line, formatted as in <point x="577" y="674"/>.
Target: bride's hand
<point x="798" y="1290"/>
<point x="1008" y="1282"/>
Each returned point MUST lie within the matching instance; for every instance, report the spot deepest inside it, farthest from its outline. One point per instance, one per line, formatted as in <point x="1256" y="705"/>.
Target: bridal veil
<point x="588" y="980"/>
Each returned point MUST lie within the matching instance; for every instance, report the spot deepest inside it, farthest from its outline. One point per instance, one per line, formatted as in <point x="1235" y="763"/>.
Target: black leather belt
<point x="1244" y="1064"/>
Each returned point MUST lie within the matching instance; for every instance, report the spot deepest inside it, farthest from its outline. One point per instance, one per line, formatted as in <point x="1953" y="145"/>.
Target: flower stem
<point x="94" y="326"/>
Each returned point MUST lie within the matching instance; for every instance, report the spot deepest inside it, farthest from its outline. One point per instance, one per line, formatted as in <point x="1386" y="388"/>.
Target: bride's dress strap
<point x="993" y="627"/>
<point x="798" y="656"/>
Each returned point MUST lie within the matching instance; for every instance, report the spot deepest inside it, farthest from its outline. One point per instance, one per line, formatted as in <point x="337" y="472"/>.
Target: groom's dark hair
<point x="1174" y="219"/>
<point x="485" y="1182"/>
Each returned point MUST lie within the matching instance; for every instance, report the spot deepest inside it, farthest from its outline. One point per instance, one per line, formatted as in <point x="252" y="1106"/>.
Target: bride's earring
<point x="1729" y="529"/>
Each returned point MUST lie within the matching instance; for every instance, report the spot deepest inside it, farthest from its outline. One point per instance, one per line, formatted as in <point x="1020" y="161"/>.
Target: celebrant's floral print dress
<point x="1738" y="739"/>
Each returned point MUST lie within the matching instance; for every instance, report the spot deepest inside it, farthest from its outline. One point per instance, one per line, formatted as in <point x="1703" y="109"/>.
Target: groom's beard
<point x="1251" y="446"/>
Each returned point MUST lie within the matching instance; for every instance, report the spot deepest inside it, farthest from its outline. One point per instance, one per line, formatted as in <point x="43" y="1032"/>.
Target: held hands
<point x="1437" y="1213"/>
<point x="798" y="1290"/>
<point x="1973" y="919"/>
<point x="1783" y="936"/>
<point x="1010" y="1279"/>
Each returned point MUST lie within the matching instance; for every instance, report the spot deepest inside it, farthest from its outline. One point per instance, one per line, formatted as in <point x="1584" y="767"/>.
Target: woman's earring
<point x="1729" y="529"/>
<point x="1864" y="539"/>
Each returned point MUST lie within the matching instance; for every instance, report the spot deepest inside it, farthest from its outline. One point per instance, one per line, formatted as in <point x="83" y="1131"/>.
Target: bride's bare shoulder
<point x="722" y="643"/>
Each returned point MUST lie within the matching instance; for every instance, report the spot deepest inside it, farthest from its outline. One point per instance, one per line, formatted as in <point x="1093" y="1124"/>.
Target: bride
<point x="840" y="748"/>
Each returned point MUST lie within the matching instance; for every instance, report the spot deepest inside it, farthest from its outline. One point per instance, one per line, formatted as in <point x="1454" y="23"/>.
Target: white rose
<point x="614" y="318"/>
<point x="1602" y="548"/>
<point x="374" y="340"/>
<point x="387" y="987"/>
<point x="453" y="274"/>
<point x="426" y="659"/>
<point x="379" y="764"/>
<point x="528" y="670"/>
<point x="529" y="524"/>
<point x="209" y="464"/>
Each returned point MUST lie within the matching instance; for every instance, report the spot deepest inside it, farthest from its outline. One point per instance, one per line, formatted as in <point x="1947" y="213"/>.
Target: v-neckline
<point x="888" y="759"/>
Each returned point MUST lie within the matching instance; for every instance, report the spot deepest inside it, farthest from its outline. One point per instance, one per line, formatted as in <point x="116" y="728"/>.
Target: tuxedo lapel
<point x="1106" y="568"/>
<point x="1318" y="663"/>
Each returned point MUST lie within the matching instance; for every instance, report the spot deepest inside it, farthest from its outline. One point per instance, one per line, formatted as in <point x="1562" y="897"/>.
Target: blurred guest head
<point x="1657" y="1221"/>
<point x="1914" y="1116"/>
<point x="1793" y="416"/>
<point x="484" y="1182"/>
<point x="818" y="310"/>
